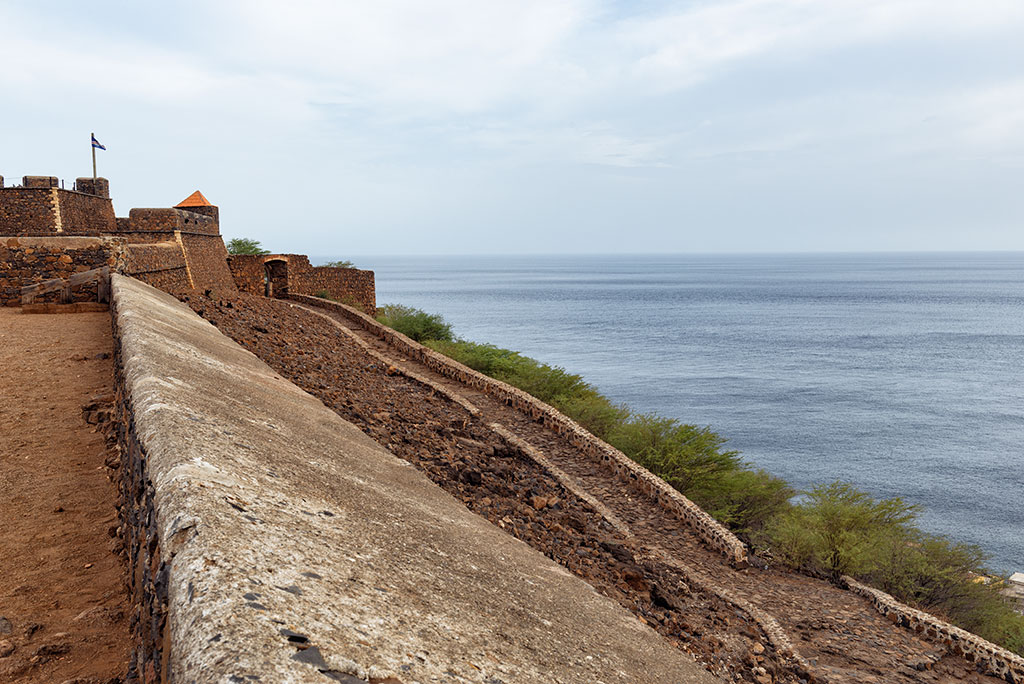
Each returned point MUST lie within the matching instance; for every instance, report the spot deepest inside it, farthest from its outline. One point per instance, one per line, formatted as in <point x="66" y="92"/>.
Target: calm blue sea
<point x="900" y="373"/>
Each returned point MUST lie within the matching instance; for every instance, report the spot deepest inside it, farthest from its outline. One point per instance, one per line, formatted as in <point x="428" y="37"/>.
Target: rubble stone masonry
<point x="27" y="211"/>
<point x="352" y="286"/>
<point x="54" y="211"/>
<point x="28" y="260"/>
<point x="170" y="220"/>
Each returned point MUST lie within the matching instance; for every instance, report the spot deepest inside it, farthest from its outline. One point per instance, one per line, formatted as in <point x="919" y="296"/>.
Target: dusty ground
<point x="844" y="639"/>
<point x="62" y="603"/>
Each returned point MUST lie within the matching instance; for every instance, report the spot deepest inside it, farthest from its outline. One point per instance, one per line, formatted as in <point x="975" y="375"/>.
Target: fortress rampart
<point x="278" y="275"/>
<point x="40" y="207"/>
<point x="269" y="539"/>
<point x="173" y="248"/>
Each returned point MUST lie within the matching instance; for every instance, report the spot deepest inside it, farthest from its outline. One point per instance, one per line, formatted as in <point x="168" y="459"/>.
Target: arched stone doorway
<point x="275" y="278"/>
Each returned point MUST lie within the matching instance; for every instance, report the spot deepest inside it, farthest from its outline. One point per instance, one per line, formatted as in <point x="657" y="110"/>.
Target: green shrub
<point x="744" y="499"/>
<point x="840" y="530"/>
<point x="947" y="578"/>
<point x="414" y="323"/>
<point x="685" y="456"/>
<point x="324" y="294"/>
<point x="339" y="264"/>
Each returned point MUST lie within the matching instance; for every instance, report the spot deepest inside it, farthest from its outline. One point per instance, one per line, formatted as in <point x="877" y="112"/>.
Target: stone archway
<point x="275" y="278"/>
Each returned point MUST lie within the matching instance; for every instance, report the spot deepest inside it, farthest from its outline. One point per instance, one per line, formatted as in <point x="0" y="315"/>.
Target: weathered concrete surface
<point x="282" y="520"/>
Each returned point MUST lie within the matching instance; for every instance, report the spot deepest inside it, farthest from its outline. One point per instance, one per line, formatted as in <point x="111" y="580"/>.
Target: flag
<point x="96" y="143"/>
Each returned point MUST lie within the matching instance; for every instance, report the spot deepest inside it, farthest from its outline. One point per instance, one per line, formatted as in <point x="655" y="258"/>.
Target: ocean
<point x="902" y="374"/>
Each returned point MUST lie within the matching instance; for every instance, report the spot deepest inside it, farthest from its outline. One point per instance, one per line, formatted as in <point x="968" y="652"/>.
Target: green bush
<point x="948" y="579"/>
<point x="339" y="264"/>
<point x="414" y="323"/>
<point x="324" y="294"/>
<point x="744" y="499"/>
<point x="839" y="530"/>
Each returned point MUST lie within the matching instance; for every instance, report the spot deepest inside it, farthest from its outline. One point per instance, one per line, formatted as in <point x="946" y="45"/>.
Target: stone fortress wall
<point x="25" y="260"/>
<point x="172" y="248"/>
<point x="270" y="540"/>
<point x="278" y="275"/>
<point x="42" y="226"/>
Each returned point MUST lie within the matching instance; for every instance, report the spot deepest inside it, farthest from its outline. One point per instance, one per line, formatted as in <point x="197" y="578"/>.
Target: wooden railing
<point x="65" y="285"/>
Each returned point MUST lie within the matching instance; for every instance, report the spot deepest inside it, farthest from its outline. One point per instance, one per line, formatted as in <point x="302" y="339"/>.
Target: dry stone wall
<point x="45" y="210"/>
<point x="973" y="648"/>
<point x="28" y="260"/>
<point x="207" y="261"/>
<point x="27" y="211"/>
<point x="170" y="220"/>
<point x="161" y="265"/>
<point x="247" y="272"/>
<point x="82" y="214"/>
<point x="352" y="286"/>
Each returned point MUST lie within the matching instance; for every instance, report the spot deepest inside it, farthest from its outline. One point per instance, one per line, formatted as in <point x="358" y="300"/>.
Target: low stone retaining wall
<point x="991" y="658"/>
<point x="270" y="540"/>
<point x="973" y="648"/>
<point x="31" y="260"/>
<point x="710" y="530"/>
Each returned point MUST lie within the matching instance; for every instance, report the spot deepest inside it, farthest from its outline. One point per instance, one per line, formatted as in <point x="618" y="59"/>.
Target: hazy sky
<point x="490" y="126"/>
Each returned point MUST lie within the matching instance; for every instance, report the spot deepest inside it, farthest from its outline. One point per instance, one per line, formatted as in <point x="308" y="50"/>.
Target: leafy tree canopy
<point x="245" y="246"/>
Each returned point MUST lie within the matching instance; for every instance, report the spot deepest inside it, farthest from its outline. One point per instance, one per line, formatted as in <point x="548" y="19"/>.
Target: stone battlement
<point x="173" y="248"/>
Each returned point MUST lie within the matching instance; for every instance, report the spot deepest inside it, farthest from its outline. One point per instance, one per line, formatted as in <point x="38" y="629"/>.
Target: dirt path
<point x="838" y="633"/>
<point x="62" y="596"/>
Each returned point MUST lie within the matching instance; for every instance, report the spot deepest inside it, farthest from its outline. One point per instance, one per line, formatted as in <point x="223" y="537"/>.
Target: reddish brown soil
<point x="62" y="597"/>
<point x="839" y="633"/>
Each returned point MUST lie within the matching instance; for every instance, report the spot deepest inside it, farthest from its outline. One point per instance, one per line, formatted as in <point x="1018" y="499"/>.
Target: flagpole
<point x="92" y="136"/>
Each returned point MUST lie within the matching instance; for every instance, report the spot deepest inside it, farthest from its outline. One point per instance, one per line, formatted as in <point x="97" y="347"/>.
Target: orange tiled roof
<point x="196" y="199"/>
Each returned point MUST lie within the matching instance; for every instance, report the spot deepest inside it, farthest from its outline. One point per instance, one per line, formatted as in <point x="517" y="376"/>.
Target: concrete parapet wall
<point x="710" y="530"/>
<point x="973" y="648"/>
<point x="271" y="540"/>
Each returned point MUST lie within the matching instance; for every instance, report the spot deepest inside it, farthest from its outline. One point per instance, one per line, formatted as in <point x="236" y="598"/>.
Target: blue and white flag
<point x="96" y="143"/>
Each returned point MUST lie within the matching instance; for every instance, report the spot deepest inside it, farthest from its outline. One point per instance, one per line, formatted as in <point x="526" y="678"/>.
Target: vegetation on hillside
<point x="341" y="263"/>
<point x="245" y="246"/>
<point x="419" y="325"/>
<point x="834" y="530"/>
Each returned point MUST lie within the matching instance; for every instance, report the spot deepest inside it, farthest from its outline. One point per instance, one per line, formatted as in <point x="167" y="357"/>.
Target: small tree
<point x="245" y="246"/>
<point x="840" y="530"/>
<point x="340" y="264"/>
